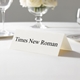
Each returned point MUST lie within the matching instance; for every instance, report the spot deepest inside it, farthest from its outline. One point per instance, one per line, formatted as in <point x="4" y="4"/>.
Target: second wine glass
<point x="4" y="5"/>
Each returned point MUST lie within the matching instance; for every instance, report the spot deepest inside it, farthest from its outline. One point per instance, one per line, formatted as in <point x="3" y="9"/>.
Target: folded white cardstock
<point x="38" y="41"/>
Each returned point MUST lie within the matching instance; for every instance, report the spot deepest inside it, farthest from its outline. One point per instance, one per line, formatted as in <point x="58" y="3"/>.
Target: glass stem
<point x="38" y="20"/>
<point x="3" y="18"/>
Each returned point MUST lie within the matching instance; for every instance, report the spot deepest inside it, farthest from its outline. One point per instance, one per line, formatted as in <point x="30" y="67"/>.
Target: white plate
<point x="74" y="37"/>
<point x="11" y="34"/>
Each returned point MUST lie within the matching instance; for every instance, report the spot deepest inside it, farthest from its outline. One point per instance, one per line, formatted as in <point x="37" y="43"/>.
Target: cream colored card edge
<point x="65" y="44"/>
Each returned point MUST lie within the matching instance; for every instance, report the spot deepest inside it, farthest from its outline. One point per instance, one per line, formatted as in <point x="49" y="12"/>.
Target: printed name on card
<point x="37" y="41"/>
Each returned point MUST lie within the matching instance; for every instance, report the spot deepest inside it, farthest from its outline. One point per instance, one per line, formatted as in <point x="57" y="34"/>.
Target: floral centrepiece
<point x="38" y="8"/>
<point x="38" y="3"/>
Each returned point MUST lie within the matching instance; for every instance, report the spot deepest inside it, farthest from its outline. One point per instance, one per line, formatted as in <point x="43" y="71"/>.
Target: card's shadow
<point x="73" y="54"/>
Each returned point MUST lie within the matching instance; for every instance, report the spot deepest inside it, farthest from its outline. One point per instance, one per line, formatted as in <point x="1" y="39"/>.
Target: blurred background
<point x="66" y="11"/>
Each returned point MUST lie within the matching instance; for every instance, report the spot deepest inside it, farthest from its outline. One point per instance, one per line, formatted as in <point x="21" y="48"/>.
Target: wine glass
<point x="76" y="36"/>
<point x="78" y="16"/>
<point x="4" y="5"/>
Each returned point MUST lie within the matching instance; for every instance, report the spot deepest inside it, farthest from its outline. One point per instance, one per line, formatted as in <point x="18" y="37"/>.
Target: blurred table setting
<point x="21" y="65"/>
<point x="17" y="64"/>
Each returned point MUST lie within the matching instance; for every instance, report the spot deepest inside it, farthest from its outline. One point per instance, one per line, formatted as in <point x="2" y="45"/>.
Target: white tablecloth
<point x="18" y="65"/>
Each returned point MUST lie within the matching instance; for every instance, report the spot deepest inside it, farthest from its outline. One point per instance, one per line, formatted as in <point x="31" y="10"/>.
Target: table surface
<point x="18" y="65"/>
<point x="62" y="27"/>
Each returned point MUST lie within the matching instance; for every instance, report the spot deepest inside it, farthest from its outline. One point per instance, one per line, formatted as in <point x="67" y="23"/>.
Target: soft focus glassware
<point x="4" y="5"/>
<point x="38" y="12"/>
<point x="78" y="16"/>
<point x="76" y="36"/>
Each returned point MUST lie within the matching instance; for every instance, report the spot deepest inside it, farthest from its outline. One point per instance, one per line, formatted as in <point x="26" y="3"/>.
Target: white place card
<point x="37" y="41"/>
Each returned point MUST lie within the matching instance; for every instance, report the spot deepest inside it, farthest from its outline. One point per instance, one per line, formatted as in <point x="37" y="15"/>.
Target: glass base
<point x="5" y="33"/>
<point x="41" y="26"/>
